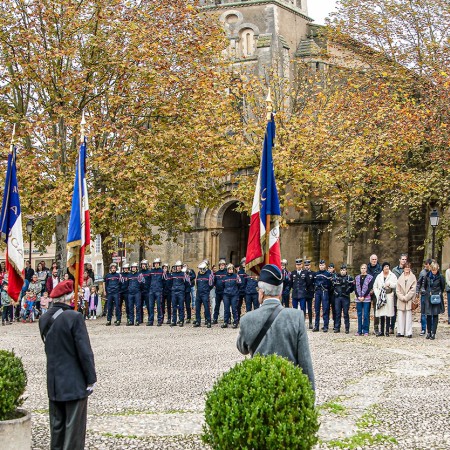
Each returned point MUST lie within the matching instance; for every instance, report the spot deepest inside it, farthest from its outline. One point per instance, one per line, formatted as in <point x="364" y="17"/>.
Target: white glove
<point x="90" y="388"/>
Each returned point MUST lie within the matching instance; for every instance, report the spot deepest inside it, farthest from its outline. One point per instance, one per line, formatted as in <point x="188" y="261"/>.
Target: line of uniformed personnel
<point x="172" y="291"/>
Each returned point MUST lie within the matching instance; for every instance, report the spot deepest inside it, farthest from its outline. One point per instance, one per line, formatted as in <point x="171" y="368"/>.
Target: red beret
<point x="63" y="288"/>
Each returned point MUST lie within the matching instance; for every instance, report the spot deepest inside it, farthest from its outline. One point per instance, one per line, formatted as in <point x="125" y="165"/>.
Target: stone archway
<point x="234" y="236"/>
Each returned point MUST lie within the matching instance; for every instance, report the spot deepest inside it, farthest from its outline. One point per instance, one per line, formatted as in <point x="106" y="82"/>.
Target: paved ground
<point x="373" y="392"/>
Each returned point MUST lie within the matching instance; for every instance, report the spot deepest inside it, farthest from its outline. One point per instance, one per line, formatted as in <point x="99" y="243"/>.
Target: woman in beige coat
<point x="385" y="283"/>
<point x="406" y="291"/>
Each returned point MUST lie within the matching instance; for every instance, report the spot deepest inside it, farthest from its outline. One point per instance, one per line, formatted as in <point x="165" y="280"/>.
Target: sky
<point x="319" y="9"/>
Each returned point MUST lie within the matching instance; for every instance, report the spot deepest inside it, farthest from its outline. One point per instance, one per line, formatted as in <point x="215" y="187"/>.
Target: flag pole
<point x="269" y="109"/>
<point x="77" y="261"/>
<point x="13" y="139"/>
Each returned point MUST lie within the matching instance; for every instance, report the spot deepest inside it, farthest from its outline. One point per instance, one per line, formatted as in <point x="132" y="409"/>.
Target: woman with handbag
<point x="383" y="288"/>
<point x="406" y="292"/>
<point x="434" y="301"/>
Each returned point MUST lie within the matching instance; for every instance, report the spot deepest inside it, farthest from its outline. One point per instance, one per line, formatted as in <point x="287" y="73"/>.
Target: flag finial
<point x="82" y="126"/>
<point x="269" y="107"/>
<point x="13" y="137"/>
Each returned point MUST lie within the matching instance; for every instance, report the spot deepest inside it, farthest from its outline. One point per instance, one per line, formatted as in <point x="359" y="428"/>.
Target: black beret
<point x="322" y="261"/>
<point x="298" y="261"/>
<point x="343" y="266"/>
<point x="307" y="262"/>
<point x="331" y="265"/>
<point x="271" y="274"/>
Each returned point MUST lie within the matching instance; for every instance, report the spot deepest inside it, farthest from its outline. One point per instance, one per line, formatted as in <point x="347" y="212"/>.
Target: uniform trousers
<point x="332" y="307"/>
<point x="251" y="300"/>
<point x="285" y="299"/>
<point x="219" y="299"/>
<point x="68" y="424"/>
<point x="404" y="323"/>
<point x="124" y="299"/>
<point x="187" y="302"/>
<point x="342" y="305"/>
<point x="239" y="306"/>
<point x="166" y="302"/>
<point x="230" y="300"/>
<point x="306" y="303"/>
<point x="155" y="297"/>
<point x="113" y="300"/>
<point x="134" y="302"/>
<point x="202" y="299"/>
<point x="321" y="300"/>
<point x="177" y="306"/>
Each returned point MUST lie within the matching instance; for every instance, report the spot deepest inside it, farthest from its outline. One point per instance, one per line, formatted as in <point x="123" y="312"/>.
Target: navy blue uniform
<point x="166" y="298"/>
<point x="230" y="283"/>
<point x="188" y="293"/>
<point x="218" y="277"/>
<point x="343" y="286"/>
<point x="243" y="276"/>
<point x="178" y="283"/>
<point x="331" y="300"/>
<point x="124" y="293"/>
<point x="155" y="295"/>
<point x="205" y="282"/>
<point x="286" y="287"/>
<point x="113" y="282"/>
<point x="251" y="294"/>
<point x="302" y="284"/>
<point x="135" y="282"/>
<point x="322" y="286"/>
<point x="145" y="292"/>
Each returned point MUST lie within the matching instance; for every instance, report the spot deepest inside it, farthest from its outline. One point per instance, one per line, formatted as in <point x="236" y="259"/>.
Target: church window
<point x="247" y="42"/>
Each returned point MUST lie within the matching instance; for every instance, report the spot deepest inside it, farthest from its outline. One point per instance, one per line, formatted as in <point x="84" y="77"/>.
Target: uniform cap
<point x="331" y="265"/>
<point x="230" y="266"/>
<point x="144" y="261"/>
<point x="243" y="260"/>
<point x="157" y="260"/>
<point x="284" y="261"/>
<point x="126" y="266"/>
<point x="165" y="265"/>
<point x="63" y="288"/>
<point x="135" y="264"/>
<point x="271" y="274"/>
<point x="298" y="261"/>
<point x="307" y="262"/>
<point x="343" y="266"/>
<point x="178" y="263"/>
<point x="202" y="265"/>
<point x="222" y="261"/>
<point x="113" y="265"/>
<point x="322" y="261"/>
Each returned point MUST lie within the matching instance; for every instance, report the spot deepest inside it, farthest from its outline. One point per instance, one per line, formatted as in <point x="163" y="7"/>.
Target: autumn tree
<point x="148" y="76"/>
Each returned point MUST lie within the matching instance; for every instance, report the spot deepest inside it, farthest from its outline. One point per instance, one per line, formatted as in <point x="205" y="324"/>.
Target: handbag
<point x="435" y="299"/>
<point x="415" y="304"/>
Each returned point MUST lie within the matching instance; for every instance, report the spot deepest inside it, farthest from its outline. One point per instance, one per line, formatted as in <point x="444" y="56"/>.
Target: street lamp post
<point x="434" y="222"/>
<point x="30" y="225"/>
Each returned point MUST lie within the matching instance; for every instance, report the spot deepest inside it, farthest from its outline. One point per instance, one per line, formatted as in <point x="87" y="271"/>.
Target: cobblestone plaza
<point x="373" y="392"/>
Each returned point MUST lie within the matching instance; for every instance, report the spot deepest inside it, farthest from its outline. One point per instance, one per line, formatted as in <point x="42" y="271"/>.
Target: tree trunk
<point x="62" y="223"/>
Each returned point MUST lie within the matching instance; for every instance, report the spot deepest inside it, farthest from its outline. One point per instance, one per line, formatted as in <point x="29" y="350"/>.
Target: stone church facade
<point x="263" y="33"/>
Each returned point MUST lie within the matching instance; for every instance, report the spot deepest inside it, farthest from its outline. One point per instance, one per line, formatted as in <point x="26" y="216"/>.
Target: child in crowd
<point x="44" y="302"/>
<point x="6" y="302"/>
<point x="28" y="305"/>
<point x="93" y="303"/>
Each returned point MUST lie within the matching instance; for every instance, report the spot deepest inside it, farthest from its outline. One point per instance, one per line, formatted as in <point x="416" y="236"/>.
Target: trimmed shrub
<point x="13" y="381"/>
<point x="262" y="403"/>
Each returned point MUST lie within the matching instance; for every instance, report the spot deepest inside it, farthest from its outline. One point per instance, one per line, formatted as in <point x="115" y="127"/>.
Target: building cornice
<point x="248" y="3"/>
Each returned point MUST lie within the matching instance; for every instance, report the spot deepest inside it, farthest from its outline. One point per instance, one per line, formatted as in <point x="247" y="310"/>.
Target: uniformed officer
<point x="251" y="293"/>
<point x="343" y="285"/>
<point x="205" y="282"/>
<point x="243" y="275"/>
<point x="166" y="297"/>
<point x="331" y="302"/>
<point x="188" y="291"/>
<point x="309" y="291"/>
<point x="298" y="285"/>
<point x="218" y="277"/>
<point x="124" y="290"/>
<point x="322" y="286"/>
<point x="135" y="281"/>
<point x="231" y="282"/>
<point x="113" y="281"/>
<point x="179" y="280"/>
<point x="155" y="294"/>
<point x="145" y="288"/>
<point x="286" y="283"/>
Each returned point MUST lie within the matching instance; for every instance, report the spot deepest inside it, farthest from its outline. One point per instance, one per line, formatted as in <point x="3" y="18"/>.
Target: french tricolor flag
<point x="79" y="233"/>
<point x="265" y="211"/>
<point x="11" y="229"/>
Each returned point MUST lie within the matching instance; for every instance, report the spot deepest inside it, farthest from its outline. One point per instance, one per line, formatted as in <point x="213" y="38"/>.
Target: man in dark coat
<point x="70" y="369"/>
<point x="287" y="334"/>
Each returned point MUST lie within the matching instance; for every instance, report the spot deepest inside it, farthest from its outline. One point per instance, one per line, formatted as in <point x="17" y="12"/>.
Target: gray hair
<point x="269" y="289"/>
<point x="64" y="298"/>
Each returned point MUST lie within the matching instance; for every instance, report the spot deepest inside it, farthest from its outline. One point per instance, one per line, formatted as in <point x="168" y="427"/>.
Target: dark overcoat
<point x="70" y="360"/>
<point x="433" y="285"/>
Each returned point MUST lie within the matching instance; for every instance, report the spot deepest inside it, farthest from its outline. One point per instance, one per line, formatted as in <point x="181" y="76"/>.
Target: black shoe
<point x="173" y="324"/>
<point x="214" y="322"/>
<point x="336" y="330"/>
<point x="149" y="324"/>
<point x="208" y="325"/>
<point x="117" y="323"/>
<point x="168" y="322"/>
<point x="325" y="330"/>
<point x="387" y="334"/>
<point x="347" y="331"/>
<point x="391" y="331"/>
<point x="136" y="324"/>
<point x="310" y="326"/>
<point x="196" y="324"/>
<point x="108" y="324"/>
<point x="181" y="324"/>
<point x="159" y="324"/>
<point x="129" y="323"/>
<point x="400" y="335"/>
<point x="433" y="336"/>
<point x="428" y="336"/>
<point x="315" y="329"/>
<point x="377" y="330"/>
<point x="188" y="321"/>
<point x="409" y="336"/>
<point x="235" y="325"/>
<point x="379" y="333"/>
<point x="225" y="325"/>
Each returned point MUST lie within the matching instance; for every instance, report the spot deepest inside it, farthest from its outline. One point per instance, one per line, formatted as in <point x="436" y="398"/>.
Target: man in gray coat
<point x="286" y="336"/>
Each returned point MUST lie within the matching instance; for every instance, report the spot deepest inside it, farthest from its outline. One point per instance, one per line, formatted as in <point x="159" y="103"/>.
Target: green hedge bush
<point x="263" y="403"/>
<point x="13" y="381"/>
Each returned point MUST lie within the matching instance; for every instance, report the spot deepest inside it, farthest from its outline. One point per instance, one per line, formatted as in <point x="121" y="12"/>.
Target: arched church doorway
<point x="234" y="236"/>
